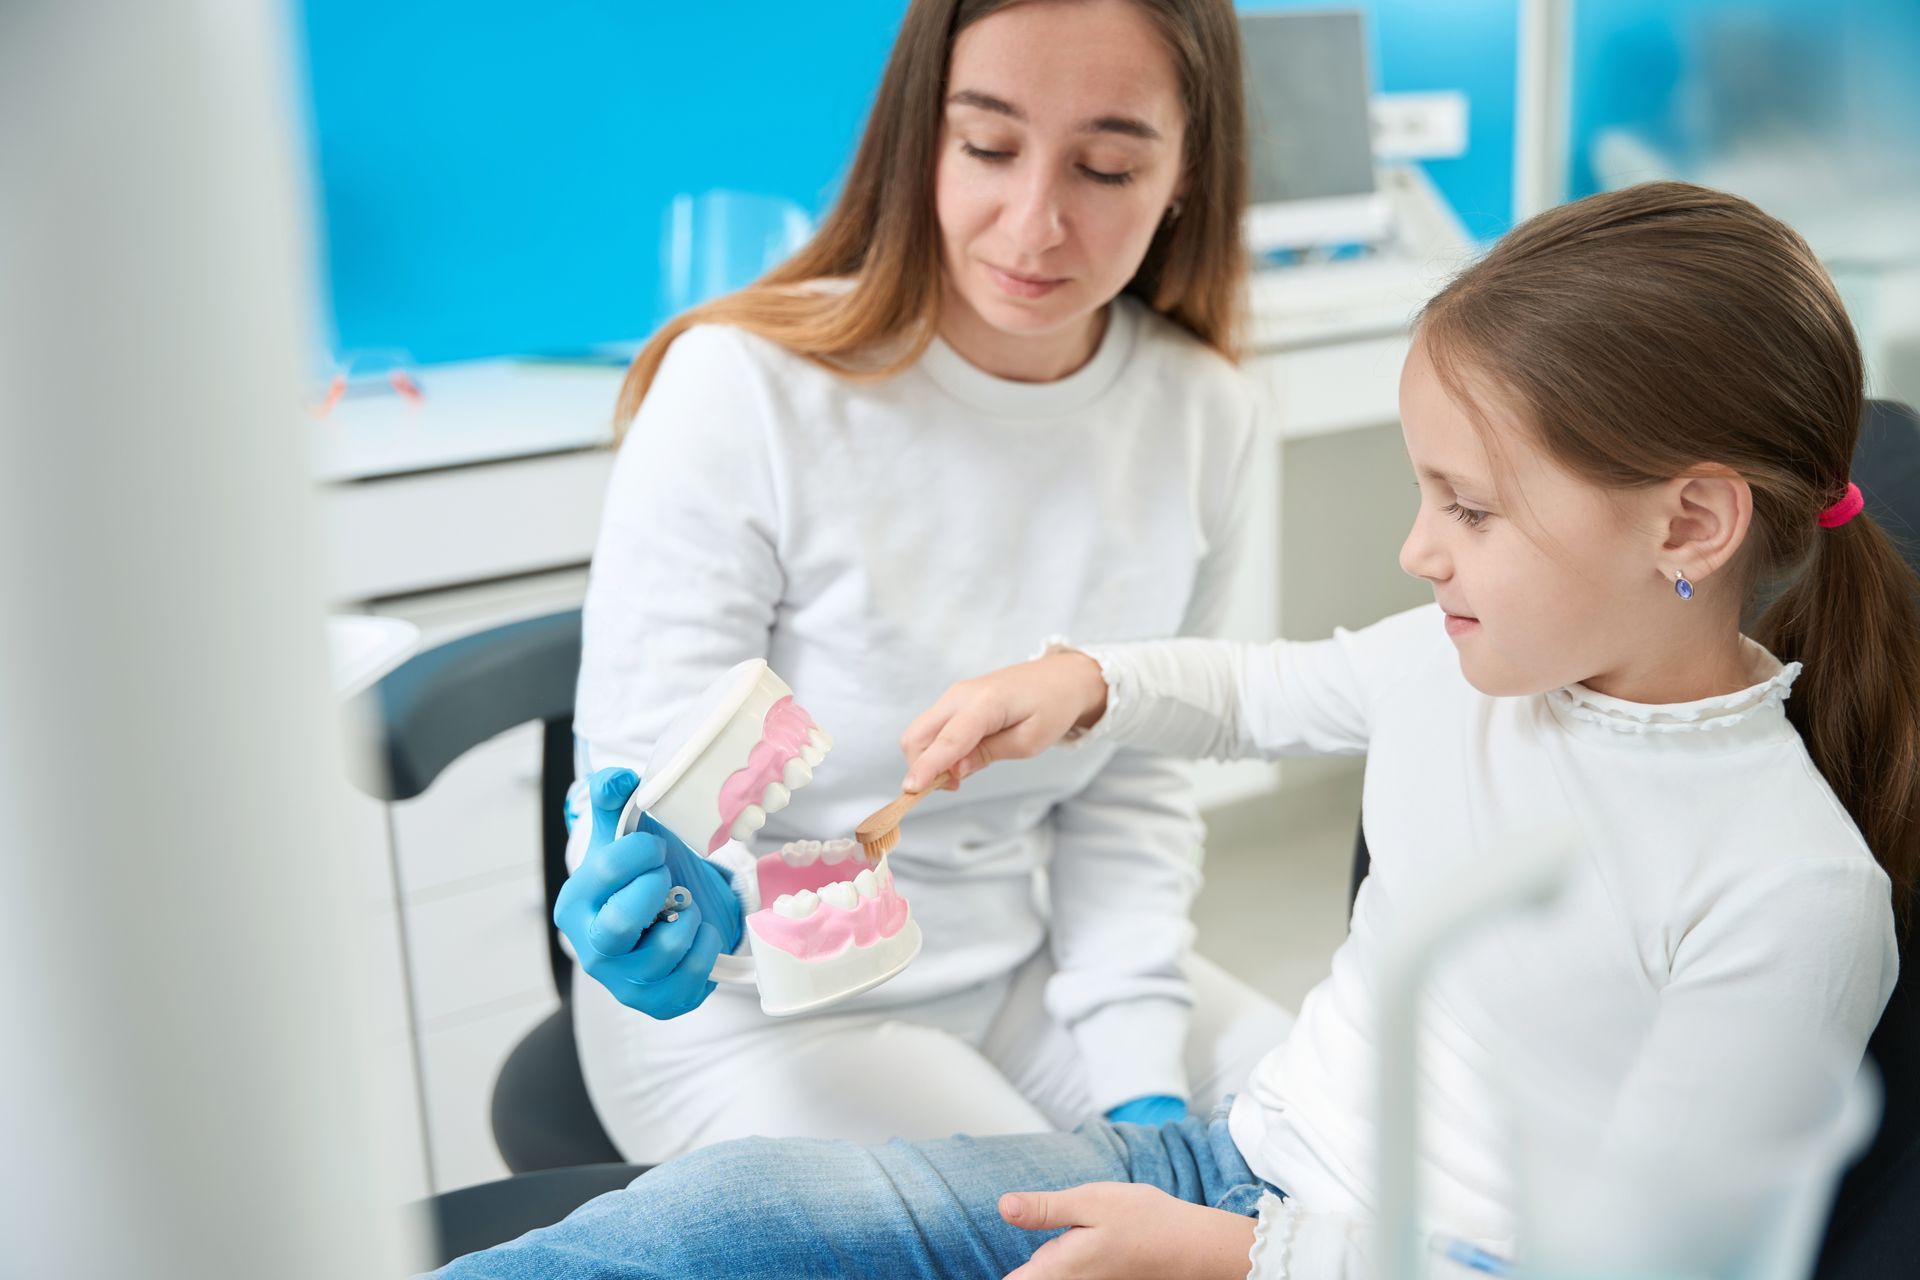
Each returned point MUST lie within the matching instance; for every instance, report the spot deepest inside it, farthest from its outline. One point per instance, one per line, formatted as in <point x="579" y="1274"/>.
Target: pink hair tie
<point x="1849" y="506"/>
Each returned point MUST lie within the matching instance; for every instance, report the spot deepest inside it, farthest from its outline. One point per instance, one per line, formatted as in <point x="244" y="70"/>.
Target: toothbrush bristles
<point x="880" y="844"/>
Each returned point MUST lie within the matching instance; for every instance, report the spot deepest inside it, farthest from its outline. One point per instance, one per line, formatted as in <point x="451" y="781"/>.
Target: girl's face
<point x="1060" y="152"/>
<point x="1547" y="579"/>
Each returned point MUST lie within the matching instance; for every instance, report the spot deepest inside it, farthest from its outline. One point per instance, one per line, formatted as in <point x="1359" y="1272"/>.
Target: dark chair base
<point x="479" y="1217"/>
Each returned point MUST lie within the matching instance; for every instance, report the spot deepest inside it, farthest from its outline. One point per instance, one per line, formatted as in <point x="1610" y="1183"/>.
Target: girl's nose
<point x="1421" y="555"/>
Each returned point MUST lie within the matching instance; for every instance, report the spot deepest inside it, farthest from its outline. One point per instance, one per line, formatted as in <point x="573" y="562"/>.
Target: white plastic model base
<point x="790" y="985"/>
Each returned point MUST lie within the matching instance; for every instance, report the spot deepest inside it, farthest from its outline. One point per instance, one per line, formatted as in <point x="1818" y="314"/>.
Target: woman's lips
<point x="1023" y="286"/>
<point x="1460" y="624"/>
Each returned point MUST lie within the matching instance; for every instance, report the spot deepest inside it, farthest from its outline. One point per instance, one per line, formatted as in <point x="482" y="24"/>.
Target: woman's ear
<point x="1704" y="520"/>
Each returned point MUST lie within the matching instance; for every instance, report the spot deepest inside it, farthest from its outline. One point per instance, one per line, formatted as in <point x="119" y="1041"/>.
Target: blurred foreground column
<point x="181" y="1075"/>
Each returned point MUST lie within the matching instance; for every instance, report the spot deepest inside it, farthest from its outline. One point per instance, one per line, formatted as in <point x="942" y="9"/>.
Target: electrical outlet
<point x="1419" y="126"/>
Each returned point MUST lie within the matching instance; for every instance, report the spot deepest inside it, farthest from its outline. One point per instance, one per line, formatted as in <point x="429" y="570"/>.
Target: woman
<point x="1022" y="303"/>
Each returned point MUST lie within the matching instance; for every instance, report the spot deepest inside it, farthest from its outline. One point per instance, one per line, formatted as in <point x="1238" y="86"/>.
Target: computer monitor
<point x="1309" y="132"/>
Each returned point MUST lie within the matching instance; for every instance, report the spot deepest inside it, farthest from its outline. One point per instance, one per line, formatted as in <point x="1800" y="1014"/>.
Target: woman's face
<point x="1060" y="152"/>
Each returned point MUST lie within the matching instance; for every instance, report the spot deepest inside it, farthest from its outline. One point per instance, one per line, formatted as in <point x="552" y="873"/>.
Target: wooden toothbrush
<point x="881" y="832"/>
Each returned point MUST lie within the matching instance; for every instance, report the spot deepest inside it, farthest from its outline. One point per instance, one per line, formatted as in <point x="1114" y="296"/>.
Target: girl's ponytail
<point x="1853" y="616"/>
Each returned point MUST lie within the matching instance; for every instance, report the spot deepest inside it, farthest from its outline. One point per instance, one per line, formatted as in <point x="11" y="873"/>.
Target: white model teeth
<point x="837" y="850"/>
<point x="867" y="884"/>
<point x="796" y="906"/>
<point x="812" y="755"/>
<point x="841" y="894"/>
<point x="776" y="798"/>
<point x="751" y="819"/>
<point x="821" y="739"/>
<point x="798" y="774"/>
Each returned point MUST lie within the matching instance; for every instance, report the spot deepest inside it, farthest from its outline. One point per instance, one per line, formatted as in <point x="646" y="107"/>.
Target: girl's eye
<point x="981" y="153"/>
<point x="1110" y="179"/>
<point x="1466" y="515"/>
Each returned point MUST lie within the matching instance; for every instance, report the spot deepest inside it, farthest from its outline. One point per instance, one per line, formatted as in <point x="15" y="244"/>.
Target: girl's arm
<point x="1213" y="699"/>
<point x="1771" y="998"/>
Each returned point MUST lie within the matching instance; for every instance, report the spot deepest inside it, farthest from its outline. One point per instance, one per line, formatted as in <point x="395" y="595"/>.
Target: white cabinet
<point x="470" y="894"/>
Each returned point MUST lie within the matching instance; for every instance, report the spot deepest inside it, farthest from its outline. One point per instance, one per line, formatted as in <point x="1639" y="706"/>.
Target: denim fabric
<point x="804" y="1207"/>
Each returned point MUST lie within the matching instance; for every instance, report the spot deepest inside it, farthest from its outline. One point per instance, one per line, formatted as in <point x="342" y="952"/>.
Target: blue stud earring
<point x="1681" y="587"/>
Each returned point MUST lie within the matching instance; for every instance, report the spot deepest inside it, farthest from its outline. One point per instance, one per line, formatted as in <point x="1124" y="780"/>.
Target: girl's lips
<point x="1022" y="286"/>
<point x="1458" y="625"/>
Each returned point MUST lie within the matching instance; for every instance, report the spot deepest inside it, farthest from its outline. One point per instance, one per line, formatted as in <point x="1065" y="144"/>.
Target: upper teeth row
<point x="798" y="773"/>
<point x="845" y="894"/>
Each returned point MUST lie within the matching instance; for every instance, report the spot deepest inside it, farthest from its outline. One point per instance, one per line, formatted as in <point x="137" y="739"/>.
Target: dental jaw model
<point x="833" y="925"/>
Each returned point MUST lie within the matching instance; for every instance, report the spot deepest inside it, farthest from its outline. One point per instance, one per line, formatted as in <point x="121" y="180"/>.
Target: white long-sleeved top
<point x="876" y="541"/>
<point x="1722" y="902"/>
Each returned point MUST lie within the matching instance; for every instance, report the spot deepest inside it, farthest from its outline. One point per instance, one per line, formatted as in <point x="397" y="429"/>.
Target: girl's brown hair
<point x="882" y="233"/>
<point x="1647" y="331"/>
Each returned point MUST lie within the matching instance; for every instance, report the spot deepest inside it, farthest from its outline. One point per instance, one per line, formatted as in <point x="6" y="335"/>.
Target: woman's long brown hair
<point x="1650" y="330"/>
<point x="882" y="234"/>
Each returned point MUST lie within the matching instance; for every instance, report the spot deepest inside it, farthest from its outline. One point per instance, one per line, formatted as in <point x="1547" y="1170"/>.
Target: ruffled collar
<point x="1737" y="719"/>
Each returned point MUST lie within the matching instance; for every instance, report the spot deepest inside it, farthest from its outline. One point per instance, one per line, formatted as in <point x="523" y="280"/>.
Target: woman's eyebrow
<point x="1128" y="126"/>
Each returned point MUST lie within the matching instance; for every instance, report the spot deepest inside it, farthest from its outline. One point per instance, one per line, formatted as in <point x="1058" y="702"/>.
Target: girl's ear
<point x="1704" y="519"/>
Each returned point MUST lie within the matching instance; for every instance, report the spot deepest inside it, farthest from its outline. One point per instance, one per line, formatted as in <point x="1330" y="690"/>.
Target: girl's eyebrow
<point x="1447" y="478"/>
<point x="1126" y="125"/>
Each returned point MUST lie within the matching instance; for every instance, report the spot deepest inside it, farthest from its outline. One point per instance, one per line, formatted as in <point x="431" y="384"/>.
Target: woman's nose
<point x="1034" y="219"/>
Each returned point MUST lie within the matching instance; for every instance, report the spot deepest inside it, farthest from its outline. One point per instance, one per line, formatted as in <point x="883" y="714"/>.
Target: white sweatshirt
<point x="1723" y="903"/>
<point x="876" y="541"/>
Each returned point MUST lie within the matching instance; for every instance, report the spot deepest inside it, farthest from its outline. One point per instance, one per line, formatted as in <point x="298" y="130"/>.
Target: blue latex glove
<point x="1154" y="1108"/>
<point x="607" y="908"/>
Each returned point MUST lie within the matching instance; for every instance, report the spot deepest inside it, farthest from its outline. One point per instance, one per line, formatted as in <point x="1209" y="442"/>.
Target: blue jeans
<point x="802" y="1207"/>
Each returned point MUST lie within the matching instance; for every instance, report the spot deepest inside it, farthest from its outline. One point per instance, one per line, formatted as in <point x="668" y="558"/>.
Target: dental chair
<point x="422" y="717"/>
<point x="447" y="700"/>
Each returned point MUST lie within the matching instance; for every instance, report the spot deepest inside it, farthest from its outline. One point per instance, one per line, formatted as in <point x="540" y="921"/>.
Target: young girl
<point x="1025" y="295"/>
<point x="1630" y="422"/>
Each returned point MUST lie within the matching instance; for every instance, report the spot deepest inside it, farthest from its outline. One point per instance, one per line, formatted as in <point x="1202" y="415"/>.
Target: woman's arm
<point x="685" y="578"/>
<point x="686" y="573"/>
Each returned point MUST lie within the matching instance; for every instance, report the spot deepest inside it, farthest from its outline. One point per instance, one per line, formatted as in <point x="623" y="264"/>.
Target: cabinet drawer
<point x="460" y="1064"/>
<point x="479" y="819"/>
<point x="479" y="948"/>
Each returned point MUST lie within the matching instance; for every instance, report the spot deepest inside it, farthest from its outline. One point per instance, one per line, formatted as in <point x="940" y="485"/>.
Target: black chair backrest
<point x="1875" y="1228"/>
<point x="441" y="703"/>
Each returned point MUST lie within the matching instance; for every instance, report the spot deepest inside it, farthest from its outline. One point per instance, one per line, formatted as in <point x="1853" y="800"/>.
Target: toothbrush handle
<point x="889" y="817"/>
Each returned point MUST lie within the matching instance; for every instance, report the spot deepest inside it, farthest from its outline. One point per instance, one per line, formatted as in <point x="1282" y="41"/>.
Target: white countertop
<point x="473" y="412"/>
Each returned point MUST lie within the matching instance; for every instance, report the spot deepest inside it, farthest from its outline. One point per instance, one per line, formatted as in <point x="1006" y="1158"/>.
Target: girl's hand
<point x="1008" y="714"/>
<point x="1119" y="1230"/>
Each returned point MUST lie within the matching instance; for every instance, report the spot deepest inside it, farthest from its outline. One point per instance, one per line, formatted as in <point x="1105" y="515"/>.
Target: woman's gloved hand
<point x="607" y="909"/>
<point x="1154" y="1108"/>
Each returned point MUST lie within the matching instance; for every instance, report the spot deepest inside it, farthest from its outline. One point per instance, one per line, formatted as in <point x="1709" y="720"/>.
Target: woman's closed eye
<point x="1103" y="176"/>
